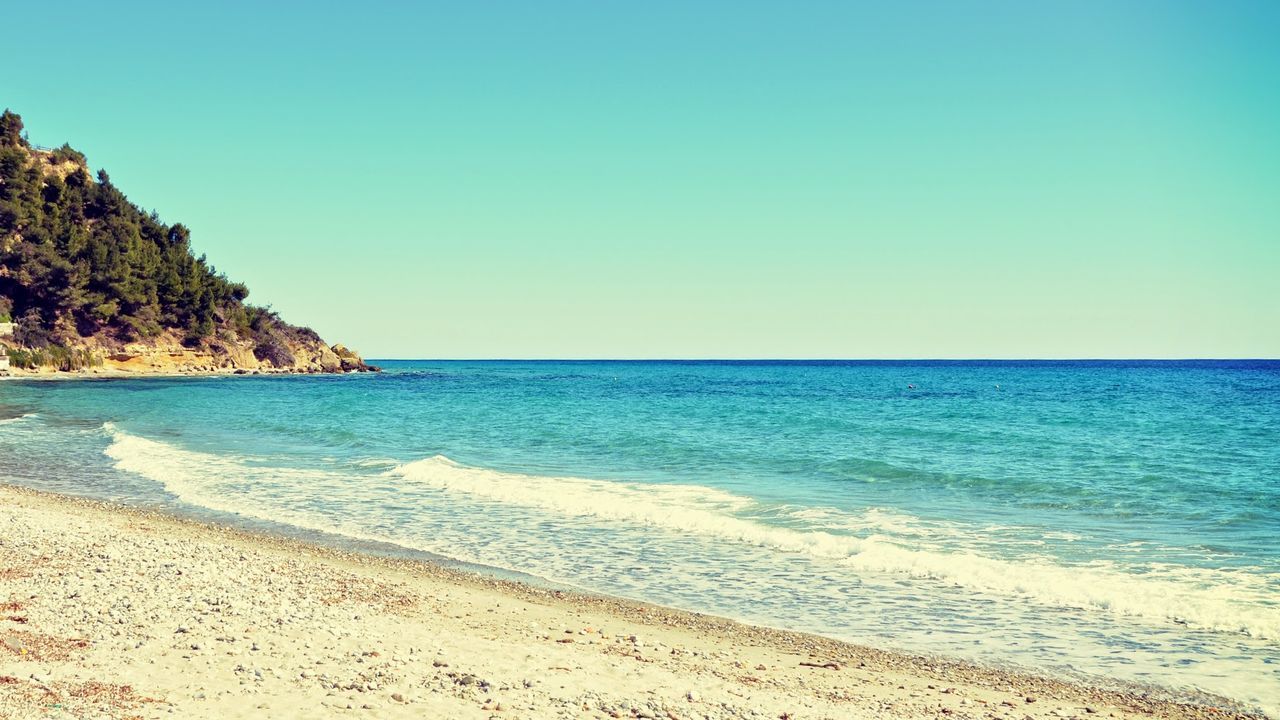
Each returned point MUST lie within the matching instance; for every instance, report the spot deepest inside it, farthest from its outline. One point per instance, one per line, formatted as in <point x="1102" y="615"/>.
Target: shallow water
<point x="1112" y="519"/>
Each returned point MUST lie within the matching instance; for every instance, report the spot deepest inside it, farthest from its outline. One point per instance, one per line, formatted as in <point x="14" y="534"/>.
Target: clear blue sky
<point x="675" y="179"/>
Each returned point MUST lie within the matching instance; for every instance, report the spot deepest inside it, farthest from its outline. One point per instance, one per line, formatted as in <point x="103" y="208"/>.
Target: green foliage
<point x="57" y="357"/>
<point x="21" y="358"/>
<point x="273" y="351"/>
<point x="31" y="332"/>
<point x="76" y="253"/>
<point x="66" y="153"/>
<point x="68" y="359"/>
<point x="11" y="130"/>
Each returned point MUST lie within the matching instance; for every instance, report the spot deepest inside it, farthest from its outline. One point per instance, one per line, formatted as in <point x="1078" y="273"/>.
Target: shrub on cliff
<point x="20" y="358"/>
<point x="273" y="351"/>
<point x="66" y="153"/>
<point x="30" y="331"/>
<point x="69" y="359"/>
<point x="57" y="357"/>
<point x="11" y="130"/>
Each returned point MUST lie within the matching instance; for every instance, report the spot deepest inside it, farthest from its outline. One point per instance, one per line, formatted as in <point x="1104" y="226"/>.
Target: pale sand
<point x="112" y="612"/>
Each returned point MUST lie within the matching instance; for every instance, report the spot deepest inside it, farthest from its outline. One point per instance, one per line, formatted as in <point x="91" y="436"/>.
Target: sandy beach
<point x="120" y="613"/>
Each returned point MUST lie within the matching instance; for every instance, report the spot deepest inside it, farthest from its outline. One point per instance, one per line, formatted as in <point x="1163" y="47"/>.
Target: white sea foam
<point x="233" y="486"/>
<point x="687" y="508"/>
<point x="20" y="418"/>
<point x="1218" y="600"/>
<point x="881" y="521"/>
<point x="1214" y="600"/>
<point x="200" y="478"/>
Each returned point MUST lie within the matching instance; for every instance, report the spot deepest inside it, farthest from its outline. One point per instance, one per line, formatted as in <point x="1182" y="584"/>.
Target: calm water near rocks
<point x="1115" y="519"/>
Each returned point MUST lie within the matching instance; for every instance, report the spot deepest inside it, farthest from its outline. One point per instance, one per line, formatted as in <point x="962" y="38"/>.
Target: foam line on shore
<point x="1221" y="600"/>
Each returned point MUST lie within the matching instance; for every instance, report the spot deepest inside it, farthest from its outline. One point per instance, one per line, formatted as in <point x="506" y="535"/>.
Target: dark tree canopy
<point x="75" y="253"/>
<point x="11" y="130"/>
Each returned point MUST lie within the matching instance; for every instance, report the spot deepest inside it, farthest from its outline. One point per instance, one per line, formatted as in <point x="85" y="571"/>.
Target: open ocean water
<point x="1096" y="519"/>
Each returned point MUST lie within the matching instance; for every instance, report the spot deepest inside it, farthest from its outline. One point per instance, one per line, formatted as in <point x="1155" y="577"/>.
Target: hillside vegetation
<point x="89" y="278"/>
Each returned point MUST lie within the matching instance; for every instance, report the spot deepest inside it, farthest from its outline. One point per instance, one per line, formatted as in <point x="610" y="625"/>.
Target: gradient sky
<point x="675" y="179"/>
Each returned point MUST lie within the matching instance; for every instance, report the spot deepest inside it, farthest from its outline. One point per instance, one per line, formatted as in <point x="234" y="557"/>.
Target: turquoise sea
<point x="1100" y="519"/>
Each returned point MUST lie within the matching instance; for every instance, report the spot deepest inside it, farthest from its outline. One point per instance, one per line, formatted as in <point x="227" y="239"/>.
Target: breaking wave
<point x="1220" y="600"/>
<point x="1215" y="600"/>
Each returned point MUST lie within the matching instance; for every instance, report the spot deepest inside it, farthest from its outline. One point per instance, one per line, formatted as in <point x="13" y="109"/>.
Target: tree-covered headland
<point x="85" y="273"/>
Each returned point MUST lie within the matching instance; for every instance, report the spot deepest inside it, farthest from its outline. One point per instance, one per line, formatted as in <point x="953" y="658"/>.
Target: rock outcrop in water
<point x="90" y="282"/>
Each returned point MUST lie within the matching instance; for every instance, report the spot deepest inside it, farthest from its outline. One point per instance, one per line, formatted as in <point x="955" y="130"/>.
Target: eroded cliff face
<point x="166" y="354"/>
<point x="169" y="355"/>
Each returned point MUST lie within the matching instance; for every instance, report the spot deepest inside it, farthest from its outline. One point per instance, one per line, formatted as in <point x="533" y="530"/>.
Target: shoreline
<point x="617" y="657"/>
<point x="118" y="374"/>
